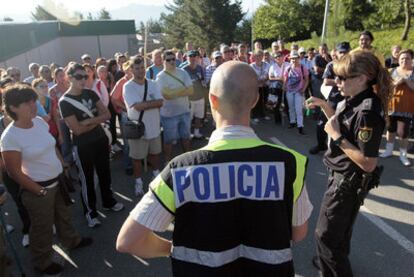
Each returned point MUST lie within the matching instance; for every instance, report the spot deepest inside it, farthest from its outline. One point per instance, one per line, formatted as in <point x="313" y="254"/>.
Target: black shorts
<point x="392" y="128"/>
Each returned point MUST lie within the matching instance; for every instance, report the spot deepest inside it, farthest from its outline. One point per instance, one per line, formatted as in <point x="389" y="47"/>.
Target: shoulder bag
<point x="135" y="129"/>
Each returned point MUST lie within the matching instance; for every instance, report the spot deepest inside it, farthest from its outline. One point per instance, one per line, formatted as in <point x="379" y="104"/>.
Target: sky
<point x="20" y="9"/>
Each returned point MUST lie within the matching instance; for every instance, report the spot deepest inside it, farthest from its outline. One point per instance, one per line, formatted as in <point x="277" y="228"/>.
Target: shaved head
<point x="235" y="85"/>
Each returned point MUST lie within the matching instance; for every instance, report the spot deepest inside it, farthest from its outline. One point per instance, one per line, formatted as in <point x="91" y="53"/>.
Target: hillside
<point x="384" y="40"/>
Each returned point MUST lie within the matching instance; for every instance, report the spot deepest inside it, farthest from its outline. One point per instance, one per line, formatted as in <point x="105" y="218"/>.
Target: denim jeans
<point x="295" y="101"/>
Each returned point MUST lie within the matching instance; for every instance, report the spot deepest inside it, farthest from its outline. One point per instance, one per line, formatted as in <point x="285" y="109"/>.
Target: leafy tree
<point x="152" y="25"/>
<point x="244" y="31"/>
<point x="407" y="22"/>
<point x="104" y="14"/>
<point x="89" y="16"/>
<point x="78" y="15"/>
<point x="387" y="13"/>
<point x="280" y="19"/>
<point x="204" y="22"/>
<point x="7" y="19"/>
<point x="355" y="11"/>
<point x="41" y="14"/>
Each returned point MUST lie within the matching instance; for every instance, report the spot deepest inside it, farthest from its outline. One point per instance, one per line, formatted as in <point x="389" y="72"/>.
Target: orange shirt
<point x="118" y="91"/>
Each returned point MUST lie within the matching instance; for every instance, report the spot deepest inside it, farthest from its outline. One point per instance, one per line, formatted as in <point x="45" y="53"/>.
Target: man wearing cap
<point x="86" y="58"/>
<point x="197" y="102"/>
<point x="275" y="48"/>
<point x="334" y="97"/>
<point x="217" y="60"/>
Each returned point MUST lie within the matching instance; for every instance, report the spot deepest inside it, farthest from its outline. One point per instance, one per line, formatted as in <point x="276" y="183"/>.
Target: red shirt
<point x="118" y="92"/>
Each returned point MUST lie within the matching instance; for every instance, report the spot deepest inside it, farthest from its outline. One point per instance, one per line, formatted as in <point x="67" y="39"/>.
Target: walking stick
<point x="9" y="241"/>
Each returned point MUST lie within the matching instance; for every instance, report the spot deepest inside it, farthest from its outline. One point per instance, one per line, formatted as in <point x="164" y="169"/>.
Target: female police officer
<point x="355" y="131"/>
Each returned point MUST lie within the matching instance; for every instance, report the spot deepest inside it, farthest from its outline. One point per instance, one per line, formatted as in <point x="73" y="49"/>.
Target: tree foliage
<point x="41" y="14"/>
<point x="204" y="22"/>
<point x="244" y="31"/>
<point x="104" y="14"/>
<point x="290" y="19"/>
<point x="7" y="19"/>
<point x="154" y="27"/>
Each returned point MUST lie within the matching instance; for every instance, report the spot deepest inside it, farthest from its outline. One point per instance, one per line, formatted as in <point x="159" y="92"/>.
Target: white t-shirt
<point x="101" y="90"/>
<point x="277" y="71"/>
<point x="179" y="105"/>
<point x="134" y="93"/>
<point x="37" y="147"/>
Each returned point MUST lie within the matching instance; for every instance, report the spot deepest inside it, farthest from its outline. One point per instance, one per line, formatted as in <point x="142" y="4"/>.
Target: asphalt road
<point x="382" y="244"/>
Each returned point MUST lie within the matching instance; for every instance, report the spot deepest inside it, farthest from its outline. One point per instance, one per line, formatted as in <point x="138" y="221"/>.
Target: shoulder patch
<point x="367" y="104"/>
<point x="365" y="134"/>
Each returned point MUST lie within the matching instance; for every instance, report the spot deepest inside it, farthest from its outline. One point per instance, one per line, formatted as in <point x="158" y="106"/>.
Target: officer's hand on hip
<point x="332" y="128"/>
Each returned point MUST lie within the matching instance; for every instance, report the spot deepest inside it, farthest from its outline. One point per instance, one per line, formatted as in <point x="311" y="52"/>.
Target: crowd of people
<point x="75" y="107"/>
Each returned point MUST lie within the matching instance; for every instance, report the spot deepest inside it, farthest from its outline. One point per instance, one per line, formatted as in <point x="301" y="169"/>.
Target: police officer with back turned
<point x="355" y="131"/>
<point x="237" y="203"/>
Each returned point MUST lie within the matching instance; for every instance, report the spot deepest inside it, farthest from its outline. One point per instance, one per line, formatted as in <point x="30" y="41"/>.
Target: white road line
<point x="387" y="229"/>
<point x="377" y="221"/>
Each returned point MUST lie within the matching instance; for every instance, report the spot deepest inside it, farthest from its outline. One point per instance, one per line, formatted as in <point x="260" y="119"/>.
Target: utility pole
<point x="325" y="21"/>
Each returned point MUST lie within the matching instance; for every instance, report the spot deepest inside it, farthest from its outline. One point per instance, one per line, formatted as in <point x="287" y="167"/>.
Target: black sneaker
<point x="316" y="149"/>
<point x="300" y="130"/>
<point x="85" y="241"/>
<point x="316" y="263"/>
<point x="52" y="269"/>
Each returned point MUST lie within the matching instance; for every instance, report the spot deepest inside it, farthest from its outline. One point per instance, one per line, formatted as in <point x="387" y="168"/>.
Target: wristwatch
<point x="42" y="192"/>
<point x="338" y="141"/>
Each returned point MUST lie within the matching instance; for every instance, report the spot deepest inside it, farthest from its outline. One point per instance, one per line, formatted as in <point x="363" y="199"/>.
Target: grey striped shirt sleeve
<point x="302" y="209"/>
<point x="150" y="213"/>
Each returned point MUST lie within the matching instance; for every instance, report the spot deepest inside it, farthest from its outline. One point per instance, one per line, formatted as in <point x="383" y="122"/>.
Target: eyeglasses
<point x="79" y="77"/>
<point x="344" y="78"/>
<point x="170" y="60"/>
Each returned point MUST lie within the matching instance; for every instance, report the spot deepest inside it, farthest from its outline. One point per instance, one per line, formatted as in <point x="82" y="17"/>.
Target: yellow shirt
<point x="374" y="51"/>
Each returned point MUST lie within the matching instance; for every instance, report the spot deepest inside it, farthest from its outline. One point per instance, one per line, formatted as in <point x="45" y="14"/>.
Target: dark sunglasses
<point x="79" y="77"/>
<point x="193" y="56"/>
<point x="170" y="60"/>
<point x="343" y="78"/>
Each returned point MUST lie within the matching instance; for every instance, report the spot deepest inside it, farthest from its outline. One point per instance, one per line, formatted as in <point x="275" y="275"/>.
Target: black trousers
<point x="93" y="157"/>
<point x="321" y="135"/>
<point x="14" y="189"/>
<point x="112" y="122"/>
<point x="259" y="110"/>
<point x="339" y="209"/>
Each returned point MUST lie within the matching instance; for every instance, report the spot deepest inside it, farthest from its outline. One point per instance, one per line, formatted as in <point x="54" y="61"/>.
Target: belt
<point x="350" y="176"/>
<point x="48" y="182"/>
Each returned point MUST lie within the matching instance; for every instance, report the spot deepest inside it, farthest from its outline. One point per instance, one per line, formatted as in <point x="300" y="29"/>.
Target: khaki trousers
<point x="44" y="211"/>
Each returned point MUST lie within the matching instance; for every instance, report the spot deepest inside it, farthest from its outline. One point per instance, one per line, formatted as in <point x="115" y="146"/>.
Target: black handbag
<point x="135" y="129"/>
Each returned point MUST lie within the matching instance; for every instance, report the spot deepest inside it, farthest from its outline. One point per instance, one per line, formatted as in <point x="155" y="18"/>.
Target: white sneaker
<point x="116" y="208"/>
<point x="256" y="120"/>
<point x="267" y="117"/>
<point x="386" y="154"/>
<point x="139" y="190"/>
<point x="404" y="160"/>
<point x="92" y="222"/>
<point x="9" y="228"/>
<point x="25" y="240"/>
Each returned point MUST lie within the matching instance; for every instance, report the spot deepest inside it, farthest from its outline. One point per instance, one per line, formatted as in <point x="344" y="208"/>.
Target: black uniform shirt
<point x="361" y="121"/>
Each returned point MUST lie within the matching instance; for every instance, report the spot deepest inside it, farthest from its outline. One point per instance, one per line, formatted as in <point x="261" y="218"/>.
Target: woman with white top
<point x="36" y="165"/>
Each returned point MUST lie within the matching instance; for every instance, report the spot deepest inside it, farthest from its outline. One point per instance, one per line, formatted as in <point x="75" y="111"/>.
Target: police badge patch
<point x="364" y="134"/>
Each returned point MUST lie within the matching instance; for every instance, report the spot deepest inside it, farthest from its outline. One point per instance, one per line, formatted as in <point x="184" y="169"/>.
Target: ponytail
<point x="384" y="88"/>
